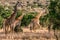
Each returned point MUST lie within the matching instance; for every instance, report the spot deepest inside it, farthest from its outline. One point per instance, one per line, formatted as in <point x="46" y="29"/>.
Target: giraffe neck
<point x="38" y="16"/>
<point x="13" y="15"/>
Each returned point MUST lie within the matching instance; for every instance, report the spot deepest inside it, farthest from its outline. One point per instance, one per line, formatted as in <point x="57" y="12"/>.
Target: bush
<point x="53" y="16"/>
<point x="27" y="18"/>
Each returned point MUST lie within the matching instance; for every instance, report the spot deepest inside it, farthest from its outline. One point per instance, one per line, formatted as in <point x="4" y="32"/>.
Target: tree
<point x="53" y="17"/>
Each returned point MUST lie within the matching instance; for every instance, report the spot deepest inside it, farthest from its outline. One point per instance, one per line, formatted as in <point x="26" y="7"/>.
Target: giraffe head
<point x="15" y="7"/>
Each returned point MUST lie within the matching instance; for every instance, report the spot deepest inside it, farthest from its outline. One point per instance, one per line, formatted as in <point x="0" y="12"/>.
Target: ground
<point x="39" y="35"/>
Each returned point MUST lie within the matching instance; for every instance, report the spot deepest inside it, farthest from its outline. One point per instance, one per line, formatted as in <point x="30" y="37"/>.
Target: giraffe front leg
<point x="31" y="27"/>
<point x="6" y="29"/>
<point x="11" y="28"/>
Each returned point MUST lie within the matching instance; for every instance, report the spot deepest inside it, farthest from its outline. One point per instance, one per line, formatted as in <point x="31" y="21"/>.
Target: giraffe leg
<point x="12" y="29"/>
<point x="31" y="27"/>
<point x="6" y="29"/>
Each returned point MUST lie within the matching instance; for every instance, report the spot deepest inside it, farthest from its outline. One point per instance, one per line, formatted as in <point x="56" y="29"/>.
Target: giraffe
<point x="7" y="22"/>
<point x="17" y="22"/>
<point x="34" y="24"/>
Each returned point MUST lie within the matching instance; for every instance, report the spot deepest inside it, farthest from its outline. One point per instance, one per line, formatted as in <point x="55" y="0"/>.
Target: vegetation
<point x="53" y="17"/>
<point x="27" y="18"/>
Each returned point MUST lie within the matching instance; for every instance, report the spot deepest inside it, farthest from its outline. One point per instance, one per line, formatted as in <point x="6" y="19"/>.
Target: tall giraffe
<point x="11" y="19"/>
<point x="35" y="21"/>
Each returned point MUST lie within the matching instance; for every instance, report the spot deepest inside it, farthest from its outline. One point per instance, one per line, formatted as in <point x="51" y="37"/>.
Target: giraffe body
<point x="35" y="21"/>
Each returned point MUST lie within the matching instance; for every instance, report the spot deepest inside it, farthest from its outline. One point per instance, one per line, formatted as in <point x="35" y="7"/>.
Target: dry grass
<point x="40" y="35"/>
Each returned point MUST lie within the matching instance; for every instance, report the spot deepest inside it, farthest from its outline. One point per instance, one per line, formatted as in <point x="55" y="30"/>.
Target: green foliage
<point x="5" y="12"/>
<point x="53" y="16"/>
<point x="27" y="18"/>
